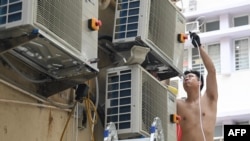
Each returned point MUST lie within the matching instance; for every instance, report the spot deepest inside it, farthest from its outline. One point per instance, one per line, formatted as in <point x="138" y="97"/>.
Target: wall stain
<point x="5" y="129"/>
<point x="50" y="119"/>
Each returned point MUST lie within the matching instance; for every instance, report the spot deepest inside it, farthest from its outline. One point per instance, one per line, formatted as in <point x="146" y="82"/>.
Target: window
<point x="243" y="123"/>
<point x="219" y="139"/>
<point x="218" y="131"/>
<point x="240" y="21"/>
<point x="211" y="26"/>
<point x="214" y="53"/>
<point x="197" y="63"/>
<point x="241" y="54"/>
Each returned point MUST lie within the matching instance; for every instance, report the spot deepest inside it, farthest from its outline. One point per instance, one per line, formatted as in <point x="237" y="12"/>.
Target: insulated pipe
<point x="36" y="97"/>
<point x="32" y="104"/>
<point x="22" y="91"/>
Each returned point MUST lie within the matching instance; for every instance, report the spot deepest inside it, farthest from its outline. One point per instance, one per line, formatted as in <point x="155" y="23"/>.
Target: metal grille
<point x="154" y="102"/>
<point x="119" y="94"/>
<point x="215" y="54"/>
<point x="197" y="63"/>
<point x="63" y="18"/>
<point x="10" y="11"/>
<point x="241" y="54"/>
<point x="133" y="87"/>
<point x="162" y="25"/>
<point x="128" y="19"/>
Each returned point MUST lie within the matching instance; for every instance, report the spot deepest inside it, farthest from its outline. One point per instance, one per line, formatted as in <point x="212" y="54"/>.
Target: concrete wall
<point x="23" y="119"/>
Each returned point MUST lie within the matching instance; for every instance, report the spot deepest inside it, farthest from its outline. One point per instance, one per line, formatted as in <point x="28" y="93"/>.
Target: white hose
<point x="32" y="104"/>
<point x="46" y="101"/>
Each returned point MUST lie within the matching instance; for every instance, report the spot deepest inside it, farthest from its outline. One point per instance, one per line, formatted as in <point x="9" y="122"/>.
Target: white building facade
<point x="224" y="29"/>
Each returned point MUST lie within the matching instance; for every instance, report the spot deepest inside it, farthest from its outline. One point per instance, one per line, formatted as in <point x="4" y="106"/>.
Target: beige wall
<point x="22" y="121"/>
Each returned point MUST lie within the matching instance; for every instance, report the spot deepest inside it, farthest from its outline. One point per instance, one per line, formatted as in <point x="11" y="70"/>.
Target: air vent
<point x="153" y="24"/>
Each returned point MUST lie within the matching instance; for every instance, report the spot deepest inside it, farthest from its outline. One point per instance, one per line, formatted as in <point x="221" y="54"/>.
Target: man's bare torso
<point x="190" y="122"/>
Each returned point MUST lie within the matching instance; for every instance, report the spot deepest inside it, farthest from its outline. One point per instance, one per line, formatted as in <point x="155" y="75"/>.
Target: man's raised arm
<point x="211" y="81"/>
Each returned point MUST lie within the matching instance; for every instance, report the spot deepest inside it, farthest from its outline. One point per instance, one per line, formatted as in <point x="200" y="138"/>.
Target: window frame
<point x="243" y="122"/>
<point x="238" y="16"/>
<point x="215" y="43"/>
<point x="222" y="130"/>
<point x="203" y="70"/>
<point x="203" y="26"/>
<point x="190" y="57"/>
<point x="211" y="21"/>
<point x="234" y="61"/>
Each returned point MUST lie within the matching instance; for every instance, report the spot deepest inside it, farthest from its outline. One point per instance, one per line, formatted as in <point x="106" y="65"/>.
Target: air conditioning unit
<point x="133" y="98"/>
<point x="193" y="27"/>
<point x="64" y="46"/>
<point x="153" y="24"/>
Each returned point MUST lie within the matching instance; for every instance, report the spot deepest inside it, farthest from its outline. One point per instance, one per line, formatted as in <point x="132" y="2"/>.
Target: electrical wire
<point x="66" y="125"/>
<point x="203" y="22"/>
<point x="90" y="106"/>
<point x="40" y="98"/>
<point x="96" y="103"/>
<point x="200" y="112"/>
<point x="92" y="121"/>
<point x="97" y="91"/>
<point x="60" y="105"/>
<point x="88" y="103"/>
<point x="76" y="121"/>
<point x="201" y="124"/>
<point x="32" y="104"/>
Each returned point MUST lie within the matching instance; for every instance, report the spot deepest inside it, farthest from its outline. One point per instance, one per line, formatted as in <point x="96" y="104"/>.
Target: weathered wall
<point x="22" y="121"/>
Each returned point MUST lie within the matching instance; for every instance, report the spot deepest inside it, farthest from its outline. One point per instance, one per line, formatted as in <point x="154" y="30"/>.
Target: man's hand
<point x="195" y="39"/>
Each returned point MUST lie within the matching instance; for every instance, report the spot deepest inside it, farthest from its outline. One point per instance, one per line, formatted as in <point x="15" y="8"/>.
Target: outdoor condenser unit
<point x="134" y="98"/>
<point x="65" y="46"/>
<point x="150" y="23"/>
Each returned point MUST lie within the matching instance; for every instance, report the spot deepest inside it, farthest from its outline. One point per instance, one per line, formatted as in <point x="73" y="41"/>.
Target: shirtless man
<point x="189" y="109"/>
